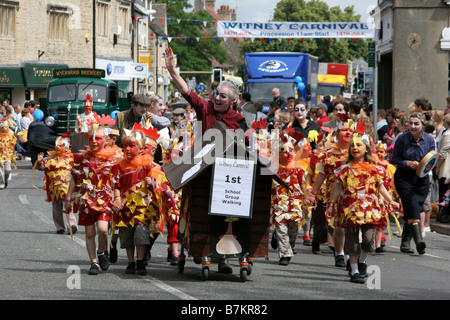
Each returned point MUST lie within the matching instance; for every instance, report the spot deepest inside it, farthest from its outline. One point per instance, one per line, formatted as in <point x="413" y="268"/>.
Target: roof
<point x="192" y="164"/>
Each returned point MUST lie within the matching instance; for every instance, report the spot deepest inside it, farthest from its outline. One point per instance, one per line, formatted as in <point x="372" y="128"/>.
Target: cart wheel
<point x="181" y="263"/>
<point x="250" y="267"/>
<point x="244" y="273"/>
<point x="205" y="272"/>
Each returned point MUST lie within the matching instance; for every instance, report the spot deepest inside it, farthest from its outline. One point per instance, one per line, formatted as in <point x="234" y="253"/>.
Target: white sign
<point x="232" y="187"/>
<point x="294" y="29"/>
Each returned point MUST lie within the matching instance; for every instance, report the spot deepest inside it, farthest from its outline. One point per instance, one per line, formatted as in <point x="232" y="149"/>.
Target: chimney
<point x="211" y="4"/>
<point x="199" y="5"/>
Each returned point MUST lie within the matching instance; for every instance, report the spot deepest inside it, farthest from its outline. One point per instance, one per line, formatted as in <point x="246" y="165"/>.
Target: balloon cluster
<point x="300" y="84"/>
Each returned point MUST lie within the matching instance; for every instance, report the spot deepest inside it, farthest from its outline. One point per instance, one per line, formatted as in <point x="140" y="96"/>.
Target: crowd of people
<point x="349" y="178"/>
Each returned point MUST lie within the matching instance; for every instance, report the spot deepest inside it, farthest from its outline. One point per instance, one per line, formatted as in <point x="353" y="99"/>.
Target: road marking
<point x="160" y="284"/>
<point x="164" y="286"/>
<point x="23" y="199"/>
<point x="425" y="254"/>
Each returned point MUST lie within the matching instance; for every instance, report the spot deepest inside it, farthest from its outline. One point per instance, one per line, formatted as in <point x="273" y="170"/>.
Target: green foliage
<point x="192" y="55"/>
<point x="327" y="50"/>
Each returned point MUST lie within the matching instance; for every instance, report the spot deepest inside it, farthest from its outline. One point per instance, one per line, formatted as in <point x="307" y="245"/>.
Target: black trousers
<point x="412" y="191"/>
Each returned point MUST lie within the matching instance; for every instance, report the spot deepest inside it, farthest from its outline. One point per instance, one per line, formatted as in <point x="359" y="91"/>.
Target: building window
<point x="58" y="26"/>
<point x="7" y="20"/>
<point x="122" y="29"/>
<point x="102" y="19"/>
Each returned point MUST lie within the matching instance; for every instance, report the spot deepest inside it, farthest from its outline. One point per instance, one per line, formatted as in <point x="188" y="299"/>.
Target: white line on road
<point x="160" y="284"/>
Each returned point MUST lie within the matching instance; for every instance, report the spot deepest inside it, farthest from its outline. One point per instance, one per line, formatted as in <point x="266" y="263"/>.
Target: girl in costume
<point x="380" y="237"/>
<point x="7" y="155"/>
<point x="359" y="185"/>
<point x="94" y="175"/>
<point x="327" y="162"/>
<point x="57" y="168"/>
<point x="286" y="205"/>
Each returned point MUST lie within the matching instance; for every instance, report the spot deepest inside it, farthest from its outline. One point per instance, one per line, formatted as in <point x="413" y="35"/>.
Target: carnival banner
<point x="293" y="30"/>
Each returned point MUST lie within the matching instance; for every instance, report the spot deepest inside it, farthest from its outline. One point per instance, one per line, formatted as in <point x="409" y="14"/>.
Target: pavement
<point x="439" y="227"/>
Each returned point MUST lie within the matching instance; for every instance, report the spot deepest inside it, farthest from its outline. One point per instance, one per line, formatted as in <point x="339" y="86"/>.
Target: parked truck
<point x="66" y="94"/>
<point x="332" y="79"/>
<point x="294" y="73"/>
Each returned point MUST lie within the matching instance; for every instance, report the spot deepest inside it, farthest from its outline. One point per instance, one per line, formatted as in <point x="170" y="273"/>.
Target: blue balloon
<point x="301" y="86"/>
<point x="113" y="114"/>
<point x="38" y="115"/>
<point x="298" y="79"/>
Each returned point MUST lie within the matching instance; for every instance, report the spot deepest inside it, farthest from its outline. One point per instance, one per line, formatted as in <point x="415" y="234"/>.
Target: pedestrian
<point x="443" y="165"/>
<point x="210" y="112"/>
<point x="81" y="124"/>
<point x="438" y="117"/>
<point x="301" y="123"/>
<point x="94" y="175"/>
<point x="447" y="108"/>
<point x="7" y="153"/>
<point x="290" y="104"/>
<point x="354" y="202"/>
<point x="57" y="168"/>
<point x="409" y="150"/>
<point x="339" y="106"/>
<point x="322" y="116"/>
<point x="279" y="99"/>
<point x="136" y="204"/>
<point x="286" y="212"/>
<point x="380" y="238"/>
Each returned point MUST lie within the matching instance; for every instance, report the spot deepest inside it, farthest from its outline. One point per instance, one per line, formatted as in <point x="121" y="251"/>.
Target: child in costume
<point x="180" y="143"/>
<point x="359" y="185"/>
<point x="114" y="142"/>
<point x="327" y="162"/>
<point x="140" y="197"/>
<point x="7" y="154"/>
<point x="94" y="175"/>
<point x="286" y="205"/>
<point x="57" y="168"/>
<point x="380" y="237"/>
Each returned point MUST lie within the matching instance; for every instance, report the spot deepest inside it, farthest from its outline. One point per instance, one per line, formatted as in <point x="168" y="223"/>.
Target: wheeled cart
<point x="225" y="205"/>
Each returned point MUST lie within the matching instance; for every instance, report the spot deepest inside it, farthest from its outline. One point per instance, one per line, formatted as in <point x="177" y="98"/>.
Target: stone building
<point x="412" y="44"/>
<point x="37" y="37"/>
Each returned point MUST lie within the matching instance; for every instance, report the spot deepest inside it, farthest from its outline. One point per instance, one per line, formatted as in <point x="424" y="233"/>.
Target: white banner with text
<point x="292" y="30"/>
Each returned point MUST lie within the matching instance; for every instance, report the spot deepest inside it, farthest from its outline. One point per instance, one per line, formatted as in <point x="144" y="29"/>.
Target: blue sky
<point x="262" y="10"/>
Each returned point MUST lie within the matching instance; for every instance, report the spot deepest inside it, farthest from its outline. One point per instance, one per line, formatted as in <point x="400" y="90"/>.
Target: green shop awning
<point x="38" y="75"/>
<point x="11" y="77"/>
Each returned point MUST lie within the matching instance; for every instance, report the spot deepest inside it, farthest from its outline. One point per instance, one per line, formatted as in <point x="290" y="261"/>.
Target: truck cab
<point x="294" y="73"/>
<point x="66" y="94"/>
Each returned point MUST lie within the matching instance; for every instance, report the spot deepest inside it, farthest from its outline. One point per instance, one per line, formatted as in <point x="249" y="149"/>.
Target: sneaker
<point x="362" y="267"/>
<point x="140" y="268"/>
<point x="103" y="260"/>
<point x="339" y="261"/>
<point x="174" y="260"/>
<point x="131" y="268"/>
<point x="357" y="278"/>
<point x="380" y="249"/>
<point x="95" y="269"/>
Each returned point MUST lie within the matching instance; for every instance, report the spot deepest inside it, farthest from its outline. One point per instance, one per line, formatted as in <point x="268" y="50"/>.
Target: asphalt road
<point x="38" y="264"/>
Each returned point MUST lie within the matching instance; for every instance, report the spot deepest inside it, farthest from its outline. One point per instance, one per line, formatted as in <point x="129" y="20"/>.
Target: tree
<point x="327" y="50"/>
<point x="192" y="55"/>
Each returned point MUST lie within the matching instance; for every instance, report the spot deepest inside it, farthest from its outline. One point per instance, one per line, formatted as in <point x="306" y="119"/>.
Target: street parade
<point x="215" y="184"/>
